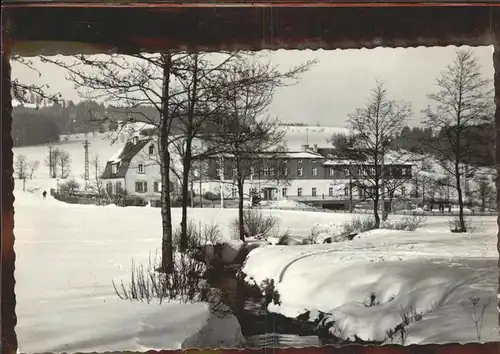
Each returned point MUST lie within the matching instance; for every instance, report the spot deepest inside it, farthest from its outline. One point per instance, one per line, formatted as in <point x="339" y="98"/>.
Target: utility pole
<point x="221" y="181"/>
<point x="50" y="161"/>
<point x="350" y="187"/>
<point x="86" y="147"/>
<point x="201" y="194"/>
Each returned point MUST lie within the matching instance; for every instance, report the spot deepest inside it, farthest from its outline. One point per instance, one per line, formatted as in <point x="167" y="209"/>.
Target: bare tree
<point x="241" y="133"/>
<point x="95" y="163"/>
<point x="462" y="104"/>
<point x="484" y="191"/>
<point x="32" y="167"/>
<point x="69" y="187"/>
<point x="21" y="166"/>
<point x="51" y="161"/>
<point x="368" y="145"/>
<point x="140" y="85"/>
<point x="30" y="93"/>
<point x="64" y="163"/>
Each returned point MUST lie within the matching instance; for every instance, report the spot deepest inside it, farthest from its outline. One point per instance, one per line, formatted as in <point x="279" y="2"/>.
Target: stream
<point x="260" y="327"/>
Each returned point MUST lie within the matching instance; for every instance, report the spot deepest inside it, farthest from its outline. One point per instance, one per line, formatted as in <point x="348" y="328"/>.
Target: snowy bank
<point x="363" y="288"/>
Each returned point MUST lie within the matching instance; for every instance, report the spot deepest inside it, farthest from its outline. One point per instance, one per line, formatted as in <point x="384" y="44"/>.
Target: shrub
<point x="357" y="225"/>
<point x="198" y="236"/>
<point x="409" y="223"/>
<point x="455" y="225"/>
<point x="185" y="284"/>
<point x="476" y="312"/>
<point x="271" y="295"/>
<point x="69" y="187"/>
<point x="211" y="196"/>
<point x="256" y="224"/>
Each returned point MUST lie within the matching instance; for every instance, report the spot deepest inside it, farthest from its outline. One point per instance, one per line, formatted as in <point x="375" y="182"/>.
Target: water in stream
<point x="260" y="327"/>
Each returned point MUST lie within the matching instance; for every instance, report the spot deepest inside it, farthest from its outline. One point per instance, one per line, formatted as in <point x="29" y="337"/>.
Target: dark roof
<point x="123" y="159"/>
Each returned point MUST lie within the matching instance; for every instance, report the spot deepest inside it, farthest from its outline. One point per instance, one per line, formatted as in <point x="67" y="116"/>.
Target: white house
<point x="135" y="170"/>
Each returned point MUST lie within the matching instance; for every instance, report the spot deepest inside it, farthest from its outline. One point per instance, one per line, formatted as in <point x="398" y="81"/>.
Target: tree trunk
<point x="186" y="165"/>
<point x="167" y="259"/>
<point x="462" y="227"/>
<point x="375" y="211"/>
<point x="187" y="159"/>
<point x="241" y="222"/>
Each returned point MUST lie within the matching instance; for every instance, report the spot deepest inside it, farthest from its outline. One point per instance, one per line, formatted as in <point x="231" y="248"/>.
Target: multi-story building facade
<point x="308" y="175"/>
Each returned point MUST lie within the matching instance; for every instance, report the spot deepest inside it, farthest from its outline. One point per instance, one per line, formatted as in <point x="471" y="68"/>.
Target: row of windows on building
<point x="368" y="171"/>
<point x="140" y="187"/>
<point x="314" y="192"/>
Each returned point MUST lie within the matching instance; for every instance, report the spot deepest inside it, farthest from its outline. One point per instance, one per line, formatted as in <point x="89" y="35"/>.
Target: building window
<point x="157" y="187"/>
<point x="330" y="192"/>
<point x="299" y="192"/>
<point x="234" y="192"/>
<point x="266" y="171"/>
<point x="332" y="171"/>
<point x="118" y="188"/>
<point x="109" y="188"/>
<point x="271" y="171"/>
<point x="407" y="171"/>
<point x="114" y="168"/>
<point x="284" y="192"/>
<point x="140" y="168"/>
<point x="141" y="187"/>
<point x="315" y="171"/>
<point x="403" y="191"/>
<point x="299" y="171"/>
<point x="346" y="191"/>
<point x="217" y="172"/>
<point x="371" y="171"/>
<point x="314" y="191"/>
<point x="151" y="149"/>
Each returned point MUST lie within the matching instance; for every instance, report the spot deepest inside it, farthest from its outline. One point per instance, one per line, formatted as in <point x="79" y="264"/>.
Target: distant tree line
<point x="479" y="139"/>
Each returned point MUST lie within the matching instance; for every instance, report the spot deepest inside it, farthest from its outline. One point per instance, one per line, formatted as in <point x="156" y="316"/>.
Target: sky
<point x="339" y="83"/>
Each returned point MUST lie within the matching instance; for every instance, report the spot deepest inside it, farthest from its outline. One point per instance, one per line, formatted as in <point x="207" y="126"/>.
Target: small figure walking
<point x="44" y="194"/>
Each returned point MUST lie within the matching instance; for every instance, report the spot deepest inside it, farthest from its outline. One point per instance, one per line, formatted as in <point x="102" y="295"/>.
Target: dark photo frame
<point x="90" y="27"/>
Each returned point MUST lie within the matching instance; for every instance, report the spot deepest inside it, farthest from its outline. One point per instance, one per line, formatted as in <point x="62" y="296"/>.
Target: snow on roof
<point x="388" y="161"/>
<point x="286" y="154"/>
<point x="117" y="156"/>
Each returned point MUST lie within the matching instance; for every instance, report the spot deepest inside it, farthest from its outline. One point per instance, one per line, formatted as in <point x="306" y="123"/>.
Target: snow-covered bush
<point x="409" y="223"/>
<point x="357" y="225"/>
<point x="455" y="225"/>
<point x="256" y="224"/>
<point x="320" y="232"/>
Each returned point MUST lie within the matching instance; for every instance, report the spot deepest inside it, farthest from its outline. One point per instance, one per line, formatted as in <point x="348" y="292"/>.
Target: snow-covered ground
<point x="68" y="256"/>
<point x="431" y="272"/>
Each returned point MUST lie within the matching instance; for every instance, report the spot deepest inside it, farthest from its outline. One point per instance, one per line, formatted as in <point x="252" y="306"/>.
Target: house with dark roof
<point x="134" y="170"/>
